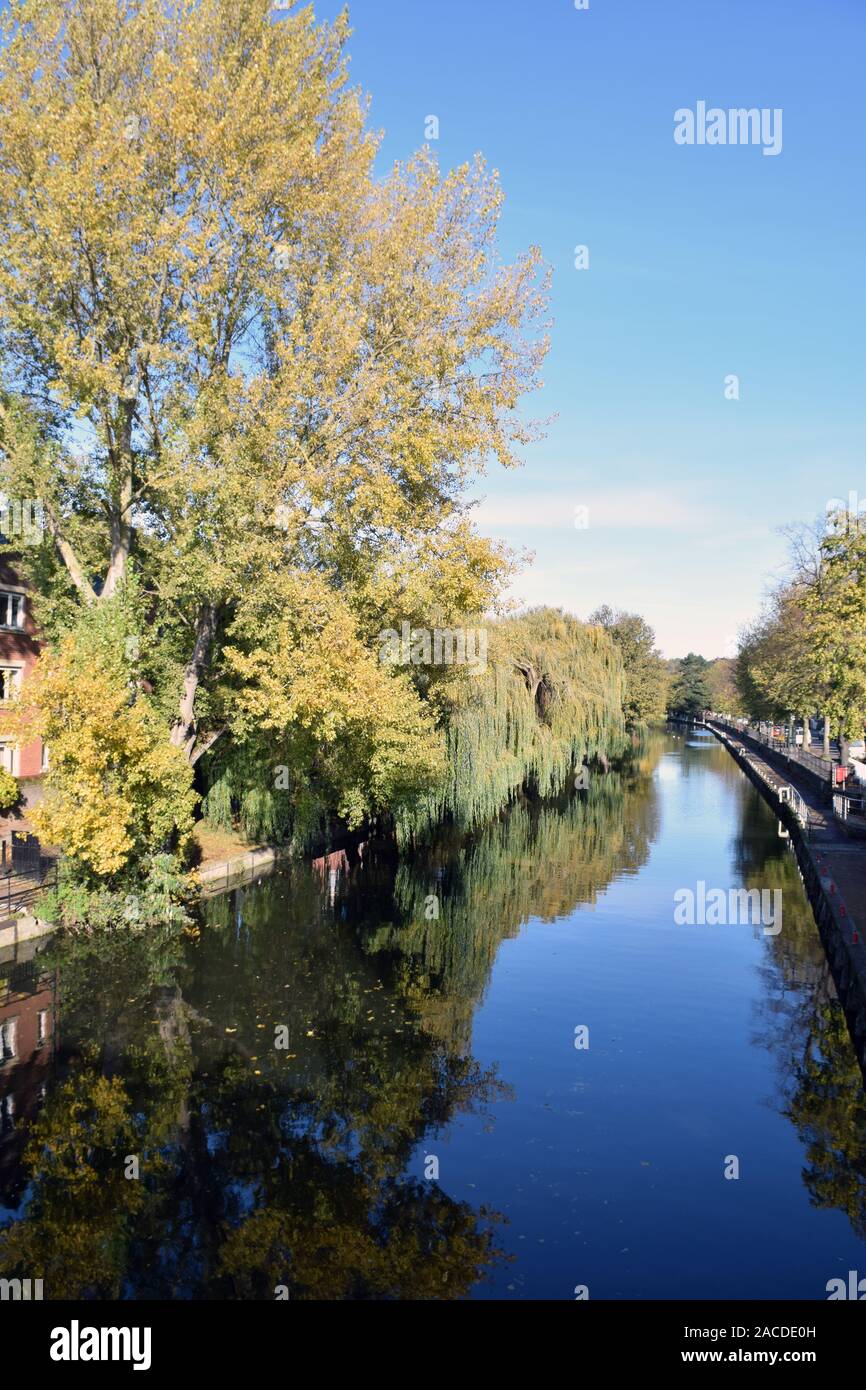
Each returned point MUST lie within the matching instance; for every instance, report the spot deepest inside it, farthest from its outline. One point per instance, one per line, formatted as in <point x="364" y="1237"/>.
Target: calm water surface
<point x="413" y="1043"/>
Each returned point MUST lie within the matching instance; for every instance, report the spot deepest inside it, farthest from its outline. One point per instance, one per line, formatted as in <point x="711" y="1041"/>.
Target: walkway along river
<point x="496" y="1069"/>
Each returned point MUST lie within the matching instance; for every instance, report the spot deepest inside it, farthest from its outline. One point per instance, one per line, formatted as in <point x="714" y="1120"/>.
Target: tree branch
<point x="68" y="556"/>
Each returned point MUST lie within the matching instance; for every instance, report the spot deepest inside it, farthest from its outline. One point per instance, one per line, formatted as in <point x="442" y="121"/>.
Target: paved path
<point x="841" y="861"/>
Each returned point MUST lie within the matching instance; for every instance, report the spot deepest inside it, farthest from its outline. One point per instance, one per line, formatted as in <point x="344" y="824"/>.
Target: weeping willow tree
<point x="550" y="698"/>
<point x="245" y="788"/>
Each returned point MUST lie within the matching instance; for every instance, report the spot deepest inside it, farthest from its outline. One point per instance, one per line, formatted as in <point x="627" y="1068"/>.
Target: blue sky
<point x="705" y="261"/>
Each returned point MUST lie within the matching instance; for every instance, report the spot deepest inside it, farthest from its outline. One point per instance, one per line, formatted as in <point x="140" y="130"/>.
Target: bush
<point x="9" y="790"/>
<point x="159" y="896"/>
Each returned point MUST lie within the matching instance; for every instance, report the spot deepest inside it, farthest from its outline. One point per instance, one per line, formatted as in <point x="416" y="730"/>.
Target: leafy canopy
<point x="238" y="363"/>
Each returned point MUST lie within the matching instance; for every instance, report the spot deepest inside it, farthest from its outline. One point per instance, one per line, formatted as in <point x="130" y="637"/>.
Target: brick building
<point x="19" y="648"/>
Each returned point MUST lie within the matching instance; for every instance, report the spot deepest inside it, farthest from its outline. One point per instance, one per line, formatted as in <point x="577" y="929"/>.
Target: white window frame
<point x="22" y="610"/>
<point x="17" y="672"/>
<point x="8" y="1039"/>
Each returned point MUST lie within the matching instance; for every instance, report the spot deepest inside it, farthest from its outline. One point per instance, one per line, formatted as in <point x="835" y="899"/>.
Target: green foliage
<point x="807" y="650"/>
<point x="779" y="670"/>
<point x="153" y="896"/>
<point x="247" y="790"/>
<point x="249" y="467"/>
<point x="265" y="371"/>
<point x="834" y="612"/>
<point x="646" y="675"/>
<point x="550" y="698"/>
<point x="690" y="691"/>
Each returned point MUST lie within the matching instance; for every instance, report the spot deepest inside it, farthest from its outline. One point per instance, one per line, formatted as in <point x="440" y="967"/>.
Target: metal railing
<point x="792" y="798"/>
<point x="793" y="753"/>
<point x="845" y="805"/>
<point x="20" y="888"/>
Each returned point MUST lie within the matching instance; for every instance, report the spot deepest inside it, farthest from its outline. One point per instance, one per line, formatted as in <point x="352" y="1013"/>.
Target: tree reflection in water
<point x="261" y="1167"/>
<point x="803" y="1023"/>
<point x="298" y="1167"/>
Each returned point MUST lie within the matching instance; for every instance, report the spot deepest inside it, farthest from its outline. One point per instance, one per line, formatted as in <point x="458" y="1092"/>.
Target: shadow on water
<point x="243" y="1112"/>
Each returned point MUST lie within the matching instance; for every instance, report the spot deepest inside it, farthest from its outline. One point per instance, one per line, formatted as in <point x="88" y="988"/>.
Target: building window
<point x="8" y="1039"/>
<point x="44" y="763"/>
<point x="42" y="1027"/>
<point x="8" y="758"/>
<point x="11" y="609"/>
<point x="10" y="681"/>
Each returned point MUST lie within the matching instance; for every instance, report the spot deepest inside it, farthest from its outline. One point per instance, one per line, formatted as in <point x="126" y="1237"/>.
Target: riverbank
<point x="221" y="876"/>
<point x="16" y="930"/>
<point x="832" y="867"/>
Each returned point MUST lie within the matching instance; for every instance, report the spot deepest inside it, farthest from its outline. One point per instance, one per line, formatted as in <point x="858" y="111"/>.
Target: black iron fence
<point x="25" y="871"/>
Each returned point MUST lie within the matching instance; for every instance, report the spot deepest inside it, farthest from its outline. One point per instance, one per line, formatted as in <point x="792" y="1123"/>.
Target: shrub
<point x="9" y="790"/>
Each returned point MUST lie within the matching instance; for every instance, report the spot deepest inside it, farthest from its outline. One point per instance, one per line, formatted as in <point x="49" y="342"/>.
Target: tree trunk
<point x="69" y="558"/>
<point x="826" y="749"/>
<point x="183" y="735"/>
<point x="120" y="522"/>
<point x="120" y="535"/>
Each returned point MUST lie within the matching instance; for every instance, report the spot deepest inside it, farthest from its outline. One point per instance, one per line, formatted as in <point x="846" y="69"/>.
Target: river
<point x="494" y="1069"/>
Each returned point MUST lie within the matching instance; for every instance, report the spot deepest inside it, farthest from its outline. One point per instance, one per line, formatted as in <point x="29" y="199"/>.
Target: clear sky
<point x="704" y="261"/>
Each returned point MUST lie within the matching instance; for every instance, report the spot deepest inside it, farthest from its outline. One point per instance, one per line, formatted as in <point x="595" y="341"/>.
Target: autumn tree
<point x="240" y="365"/>
<point x="116" y="789"/>
<point x="806" y="651"/>
<point x="721" y="681"/>
<point x="777" y="669"/>
<point x="834" y="606"/>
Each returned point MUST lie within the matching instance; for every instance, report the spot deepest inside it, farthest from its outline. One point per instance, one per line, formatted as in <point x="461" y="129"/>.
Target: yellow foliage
<point x="291" y="365"/>
<point x="311" y="676"/>
<point x="116" y="787"/>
